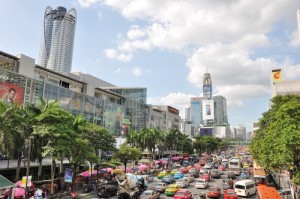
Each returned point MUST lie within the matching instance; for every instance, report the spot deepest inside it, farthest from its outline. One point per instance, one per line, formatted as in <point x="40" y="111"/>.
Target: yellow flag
<point x="276" y="75"/>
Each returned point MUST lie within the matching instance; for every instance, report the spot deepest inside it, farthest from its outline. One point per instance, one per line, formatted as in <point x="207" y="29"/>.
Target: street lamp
<point x="28" y="165"/>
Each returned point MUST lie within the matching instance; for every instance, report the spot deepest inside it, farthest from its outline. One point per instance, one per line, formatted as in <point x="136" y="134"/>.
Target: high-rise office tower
<point x="221" y="117"/>
<point x="207" y="86"/>
<point x="56" y="48"/>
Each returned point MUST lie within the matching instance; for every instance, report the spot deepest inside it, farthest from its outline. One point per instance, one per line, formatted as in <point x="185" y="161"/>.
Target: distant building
<point x="57" y="42"/>
<point x="196" y="110"/>
<point x="221" y="117"/>
<point x="240" y="132"/>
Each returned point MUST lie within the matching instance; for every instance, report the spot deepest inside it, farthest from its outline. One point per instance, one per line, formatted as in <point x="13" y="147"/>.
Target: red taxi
<point x="230" y="194"/>
<point x="183" y="194"/>
<point x="213" y="192"/>
<point x="205" y="176"/>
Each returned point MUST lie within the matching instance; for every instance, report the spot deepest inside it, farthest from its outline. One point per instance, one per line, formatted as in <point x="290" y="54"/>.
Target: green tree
<point x="276" y="145"/>
<point x="55" y="125"/>
<point x="126" y="153"/>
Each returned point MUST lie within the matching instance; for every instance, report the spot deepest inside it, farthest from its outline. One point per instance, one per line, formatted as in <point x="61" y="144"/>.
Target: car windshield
<point x="200" y="181"/>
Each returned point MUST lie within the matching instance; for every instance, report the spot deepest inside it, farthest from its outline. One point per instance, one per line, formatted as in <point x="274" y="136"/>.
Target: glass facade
<point x="135" y="103"/>
<point x="196" y="111"/>
<point x="111" y="115"/>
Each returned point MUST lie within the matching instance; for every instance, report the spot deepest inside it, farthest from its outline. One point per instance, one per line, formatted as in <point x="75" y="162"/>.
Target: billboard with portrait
<point x="208" y="109"/>
<point x="206" y="131"/>
<point x="11" y="93"/>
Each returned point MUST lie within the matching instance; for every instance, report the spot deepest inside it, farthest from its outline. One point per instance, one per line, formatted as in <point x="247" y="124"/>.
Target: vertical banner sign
<point x="276" y="74"/>
<point x="24" y="181"/>
<point x="68" y="175"/>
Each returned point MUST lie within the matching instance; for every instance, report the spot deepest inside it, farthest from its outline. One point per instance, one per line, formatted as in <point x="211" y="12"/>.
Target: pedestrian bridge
<point x="239" y="143"/>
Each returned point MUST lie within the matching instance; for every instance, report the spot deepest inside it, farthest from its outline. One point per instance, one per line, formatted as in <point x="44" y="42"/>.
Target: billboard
<point x="206" y="131"/>
<point x="276" y="75"/>
<point x="208" y="110"/>
<point x="11" y="93"/>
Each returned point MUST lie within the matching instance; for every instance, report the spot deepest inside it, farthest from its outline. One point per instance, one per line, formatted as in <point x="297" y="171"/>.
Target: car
<point x="173" y="171"/>
<point x="203" y="170"/>
<point x="215" y="174"/>
<point x="178" y="175"/>
<point x="244" y="175"/>
<point x="213" y="192"/>
<point x="150" y="194"/>
<point x="172" y="189"/>
<point x="221" y="167"/>
<point x="208" y="165"/>
<point x="183" y="194"/>
<point x="160" y="186"/>
<point x="182" y="183"/>
<point x="168" y="179"/>
<point x="205" y="176"/>
<point x="107" y="190"/>
<point x="246" y="166"/>
<point x="190" y="177"/>
<point x="230" y="194"/>
<point x="161" y="174"/>
<point x="231" y="175"/>
<point x="194" y="172"/>
<point x="201" y="184"/>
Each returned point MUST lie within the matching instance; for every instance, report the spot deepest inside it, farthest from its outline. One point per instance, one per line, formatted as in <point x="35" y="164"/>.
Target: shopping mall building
<point x="100" y="102"/>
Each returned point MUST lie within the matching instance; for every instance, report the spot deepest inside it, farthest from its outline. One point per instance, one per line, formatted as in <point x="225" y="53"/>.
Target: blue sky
<point x="167" y="46"/>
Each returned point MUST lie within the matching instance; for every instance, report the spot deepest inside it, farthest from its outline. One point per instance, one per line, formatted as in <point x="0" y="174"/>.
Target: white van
<point x="245" y="188"/>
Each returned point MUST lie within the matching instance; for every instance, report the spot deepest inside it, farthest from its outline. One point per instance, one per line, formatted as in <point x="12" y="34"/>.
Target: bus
<point x="265" y="192"/>
<point x="234" y="165"/>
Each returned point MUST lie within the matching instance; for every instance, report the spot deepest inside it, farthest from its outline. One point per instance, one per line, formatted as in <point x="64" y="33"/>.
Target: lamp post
<point x="28" y="165"/>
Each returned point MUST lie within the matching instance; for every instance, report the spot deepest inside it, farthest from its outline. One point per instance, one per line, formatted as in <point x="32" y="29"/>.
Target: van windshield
<point x="238" y="186"/>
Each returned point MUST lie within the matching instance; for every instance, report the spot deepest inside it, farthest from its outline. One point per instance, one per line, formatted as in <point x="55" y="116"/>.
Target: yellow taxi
<point x="161" y="174"/>
<point x="173" y="171"/>
<point x="172" y="189"/>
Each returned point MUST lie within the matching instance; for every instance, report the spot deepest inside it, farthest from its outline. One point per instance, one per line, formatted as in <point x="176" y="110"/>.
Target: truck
<point x="130" y="187"/>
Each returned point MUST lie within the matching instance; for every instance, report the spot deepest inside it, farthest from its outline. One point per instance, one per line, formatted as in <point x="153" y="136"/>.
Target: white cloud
<point x="136" y="71"/>
<point x="87" y="3"/>
<point x="135" y="33"/>
<point x="119" y="70"/>
<point x="295" y="40"/>
<point x="113" y="54"/>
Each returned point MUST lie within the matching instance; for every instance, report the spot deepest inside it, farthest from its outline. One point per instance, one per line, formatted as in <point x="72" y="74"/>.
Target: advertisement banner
<point x="24" y="181"/>
<point x="11" y="93"/>
<point x="68" y="175"/>
<point x="276" y="75"/>
<point x="208" y="109"/>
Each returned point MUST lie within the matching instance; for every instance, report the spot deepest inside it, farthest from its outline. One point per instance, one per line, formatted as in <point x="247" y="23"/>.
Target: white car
<point x="208" y="165"/>
<point x="182" y="183"/>
<point x="201" y="184"/>
<point x="150" y="194"/>
<point x="160" y="186"/>
<point x="203" y="170"/>
<point x="189" y="177"/>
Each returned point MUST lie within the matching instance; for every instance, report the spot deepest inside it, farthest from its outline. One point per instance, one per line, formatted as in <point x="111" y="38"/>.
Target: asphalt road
<point x="213" y="182"/>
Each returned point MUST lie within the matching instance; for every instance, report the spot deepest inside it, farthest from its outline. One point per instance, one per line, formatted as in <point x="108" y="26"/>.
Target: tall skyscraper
<point x="56" y="48"/>
<point x="221" y="117"/>
<point x="196" y="110"/>
<point x="207" y="86"/>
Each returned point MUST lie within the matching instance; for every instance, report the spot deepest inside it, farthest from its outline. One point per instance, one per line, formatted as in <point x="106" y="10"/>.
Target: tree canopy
<point x="276" y="145"/>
